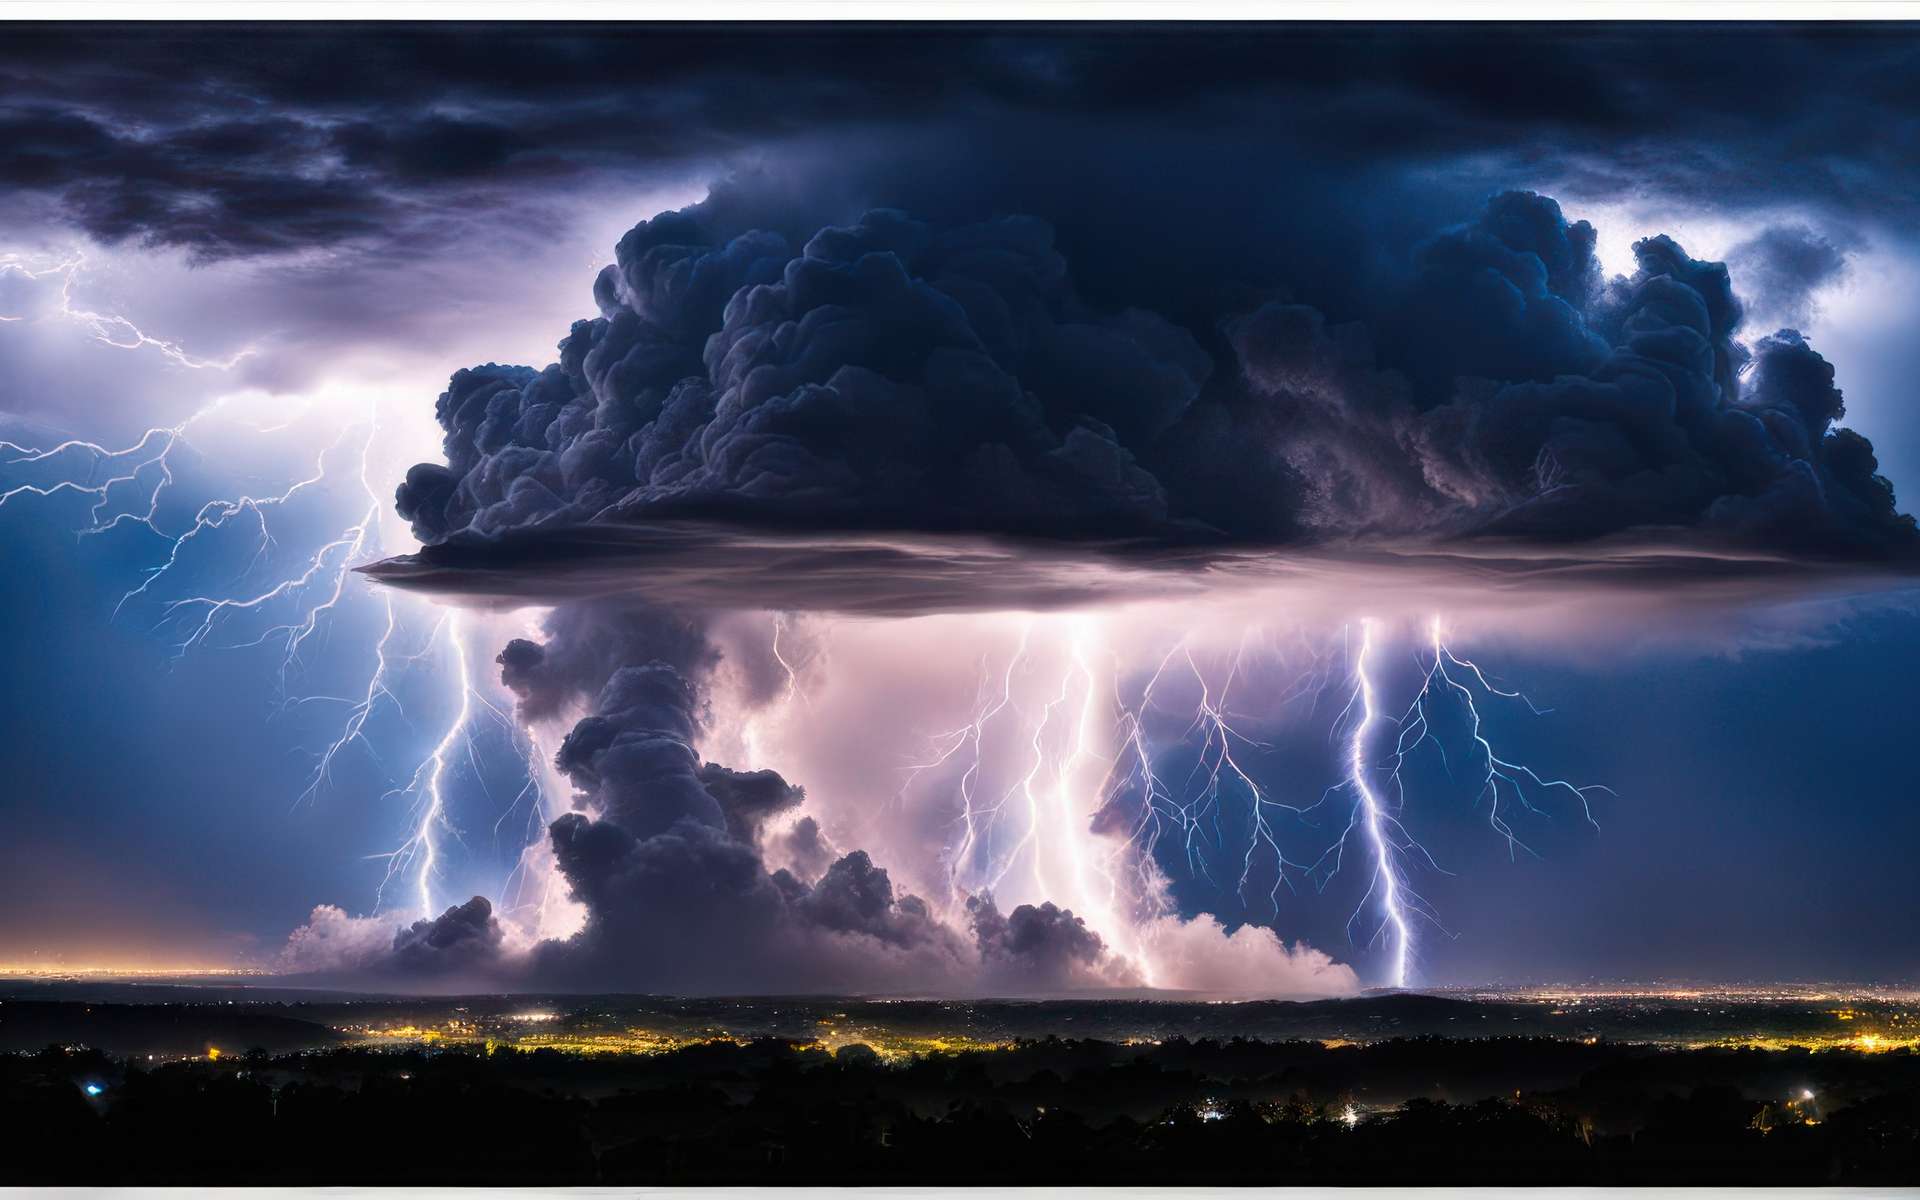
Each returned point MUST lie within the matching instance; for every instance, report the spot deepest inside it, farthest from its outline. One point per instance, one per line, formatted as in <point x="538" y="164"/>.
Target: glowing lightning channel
<point x="427" y="785"/>
<point x="969" y="738"/>
<point x="1386" y="875"/>
<point x="110" y="328"/>
<point x="1416" y="728"/>
<point x="1060" y="742"/>
<point x="330" y="562"/>
<point x="1220" y="736"/>
<point x="314" y="589"/>
<point x="794" y="690"/>
<point x="1217" y="769"/>
<point x="98" y="456"/>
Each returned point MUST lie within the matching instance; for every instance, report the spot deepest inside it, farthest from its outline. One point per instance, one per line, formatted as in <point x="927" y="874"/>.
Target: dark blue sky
<point x="312" y="228"/>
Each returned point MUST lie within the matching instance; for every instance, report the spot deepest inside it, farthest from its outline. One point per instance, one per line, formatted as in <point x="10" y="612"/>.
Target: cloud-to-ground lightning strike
<point x="429" y="782"/>
<point x="1391" y="846"/>
<point x="1217" y="765"/>
<point x="427" y="786"/>
<point x="969" y="737"/>
<point x="1064" y="752"/>
<point x="1058" y="737"/>
<point x="129" y="483"/>
<point x="1386" y="883"/>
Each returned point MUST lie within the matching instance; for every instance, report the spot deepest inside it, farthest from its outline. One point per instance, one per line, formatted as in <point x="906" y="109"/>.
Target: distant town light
<point x="93" y="1089"/>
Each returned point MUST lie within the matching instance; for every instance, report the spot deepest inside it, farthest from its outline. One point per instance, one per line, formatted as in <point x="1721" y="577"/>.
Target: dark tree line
<point x="1047" y="1111"/>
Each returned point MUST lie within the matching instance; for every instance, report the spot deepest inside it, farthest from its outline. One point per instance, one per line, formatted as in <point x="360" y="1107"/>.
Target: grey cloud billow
<point x="888" y="376"/>
<point x="586" y="643"/>
<point x="679" y="895"/>
<point x="669" y="854"/>
<point x="464" y="938"/>
<point x="1041" y="942"/>
<point x="1780" y="268"/>
<point x="893" y="377"/>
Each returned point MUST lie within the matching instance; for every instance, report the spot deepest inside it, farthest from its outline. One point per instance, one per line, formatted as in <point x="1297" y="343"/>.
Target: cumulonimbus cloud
<point x="899" y="418"/>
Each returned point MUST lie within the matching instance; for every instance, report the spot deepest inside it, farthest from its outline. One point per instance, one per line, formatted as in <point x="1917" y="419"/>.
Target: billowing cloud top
<point x="909" y="409"/>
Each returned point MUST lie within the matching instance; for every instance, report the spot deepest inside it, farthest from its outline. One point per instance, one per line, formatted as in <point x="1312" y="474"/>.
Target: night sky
<point x="1113" y="373"/>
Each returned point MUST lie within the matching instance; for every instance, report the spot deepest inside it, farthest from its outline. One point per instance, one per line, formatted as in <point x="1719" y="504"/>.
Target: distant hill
<point x="161" y="1029"/>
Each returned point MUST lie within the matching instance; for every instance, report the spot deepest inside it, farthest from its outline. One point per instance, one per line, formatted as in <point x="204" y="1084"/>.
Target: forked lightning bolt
<point x="290" y="611"/>
<point x="109" y="328"/>
<point x="1051" y="826"/>
<point x="1503" y="784"/>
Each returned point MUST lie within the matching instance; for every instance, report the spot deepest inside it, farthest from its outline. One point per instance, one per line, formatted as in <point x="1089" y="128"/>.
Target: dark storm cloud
<point x="1043" y="945"/>
<point x="1661" y="432"/>
<point x="900" y="416"/>
<point x="749" y="799"/>
<point x="587" y="643"/>
<point x="462" y="938"/>
<point x="805" y="849"/>
<point x="242" y="140"/>
<point x="890" y="375"/>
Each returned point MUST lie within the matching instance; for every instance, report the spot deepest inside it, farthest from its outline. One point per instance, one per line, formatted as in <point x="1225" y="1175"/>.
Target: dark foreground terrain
<point x="1399" y="1111"/>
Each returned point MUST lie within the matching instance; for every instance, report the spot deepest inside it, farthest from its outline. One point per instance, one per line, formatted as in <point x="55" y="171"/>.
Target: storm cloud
<point x="1782" y="267"/>
<point x="884" y="418"/>
<point x="286" y="139"/>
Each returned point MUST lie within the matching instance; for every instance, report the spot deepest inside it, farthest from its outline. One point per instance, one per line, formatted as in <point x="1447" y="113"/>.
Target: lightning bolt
<point x="110" y="328"/>
<point x="1050" y="799"/>
<point x="1217" y="773"/>
<point x="297" y="605"/>
<point x="427" y="786"/>
<point x="1061" y="747"/>
<point x="1381" y="827"/>
<point x="153" y="449"/>
<point x="1376" y="814"/>
<point x="968" y="738"/>
<point x="1502" y="783"/>
<point x="794" y="690"/>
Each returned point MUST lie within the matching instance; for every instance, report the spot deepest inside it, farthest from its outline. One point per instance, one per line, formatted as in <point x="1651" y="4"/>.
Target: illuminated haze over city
<point x="1257" y="513"/>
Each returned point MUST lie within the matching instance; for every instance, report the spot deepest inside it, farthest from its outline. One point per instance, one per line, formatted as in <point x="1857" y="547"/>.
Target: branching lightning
<point x="1503" y="784"/>
<point x="110" y="328"/>
<point x="969" y="738"/>
<point x="1385" y="835"/>
<point x="290" y="608"/>
<point x="1052" y="797"/>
